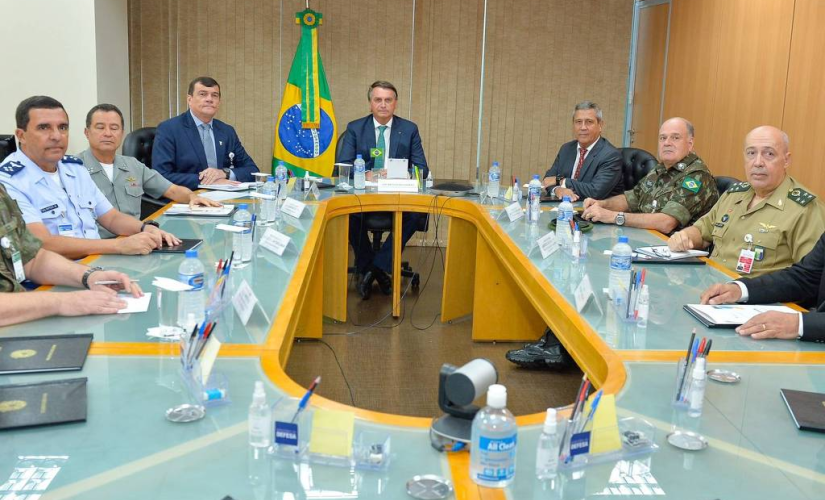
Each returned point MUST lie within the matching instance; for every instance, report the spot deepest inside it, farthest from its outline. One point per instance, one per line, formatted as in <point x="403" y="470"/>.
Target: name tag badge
<point x="745" y="262"/>
<point x="17" y="262"/>
<point x="65" y="230"/>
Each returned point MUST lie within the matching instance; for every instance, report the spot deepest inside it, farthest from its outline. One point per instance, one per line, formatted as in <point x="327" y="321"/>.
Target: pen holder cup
<point x="215" y="392"/>
<point x="624" y="439"/>
<point x="680" y="400"/>
<point x="621" y="312"/>
<point x="290" y="440"/>
<point x="582" y="253"/>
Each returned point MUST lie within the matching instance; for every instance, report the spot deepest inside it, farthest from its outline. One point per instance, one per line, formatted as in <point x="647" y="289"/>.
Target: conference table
<point x="128" y="450"/>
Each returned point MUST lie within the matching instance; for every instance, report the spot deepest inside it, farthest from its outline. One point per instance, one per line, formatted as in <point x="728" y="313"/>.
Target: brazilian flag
<point x="306" y="133"/>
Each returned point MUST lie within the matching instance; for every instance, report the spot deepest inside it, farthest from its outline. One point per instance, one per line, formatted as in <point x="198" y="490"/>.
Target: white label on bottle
<point x="293" y="207"/>
<point x="547" y="245"/>
<point x="514" y="211"/>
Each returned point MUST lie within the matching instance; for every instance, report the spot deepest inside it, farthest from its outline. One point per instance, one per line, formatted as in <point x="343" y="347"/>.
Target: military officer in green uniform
<point x="23" y="259"/>
<point x="764" y="224"/>
<point x="673" y="195"/>
<point x="123" y="179"/>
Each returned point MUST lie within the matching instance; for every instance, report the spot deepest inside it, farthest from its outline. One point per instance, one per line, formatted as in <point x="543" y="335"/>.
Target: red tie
<point x="582" y="154"/>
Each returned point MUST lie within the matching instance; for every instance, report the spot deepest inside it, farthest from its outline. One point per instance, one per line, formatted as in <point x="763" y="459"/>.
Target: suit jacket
<point x="803" y="282"/>
<point x="405" y="143"/>
<point x="178" y="155"/>
<point x="601" y="174"/>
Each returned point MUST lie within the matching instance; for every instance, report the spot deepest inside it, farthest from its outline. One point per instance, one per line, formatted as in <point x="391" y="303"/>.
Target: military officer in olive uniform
<point x="22" y="259"/>
<point x="59" y="201"/>
<point x="123" y="179"/>
<point x="673" y="195"/>
<point x="764" y="224"/>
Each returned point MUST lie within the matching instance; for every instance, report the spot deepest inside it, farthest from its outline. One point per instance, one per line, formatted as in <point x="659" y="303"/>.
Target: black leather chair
<point x="7" y="146"/>
<point x="379" y="223"/>
<point x="636" y="163"/>
<point x="724" y="183"/>
<point x="138" y="143"/>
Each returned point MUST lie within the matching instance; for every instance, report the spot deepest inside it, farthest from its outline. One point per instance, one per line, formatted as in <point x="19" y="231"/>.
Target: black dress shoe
<point x="365" y="285"/>
<point x="548" y="353"/>
<point x="384" y="281"/>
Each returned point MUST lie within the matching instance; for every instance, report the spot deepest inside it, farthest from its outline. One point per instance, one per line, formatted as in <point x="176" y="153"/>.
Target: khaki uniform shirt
<point x="131" y="179"/>
<point x="685" y="191"/>
<point x="14" y="233"/>
<point x="784" y="227"/>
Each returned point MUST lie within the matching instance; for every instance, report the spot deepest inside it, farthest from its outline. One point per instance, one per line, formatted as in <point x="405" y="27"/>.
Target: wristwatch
<point x="227" y="171"/>
<point x="620" y="219"/>
<point x="85" y="279"/>
<point x="149" y="223"/>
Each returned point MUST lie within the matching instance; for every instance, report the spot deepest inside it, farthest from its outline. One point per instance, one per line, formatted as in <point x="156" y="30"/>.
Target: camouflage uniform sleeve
<point x="633" y="198"/>
<point x="808" y="231"/>
<point x="694" y="196"/>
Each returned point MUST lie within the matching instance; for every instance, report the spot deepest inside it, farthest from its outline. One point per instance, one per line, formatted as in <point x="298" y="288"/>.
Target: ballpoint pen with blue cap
<point x="305" y="400"/>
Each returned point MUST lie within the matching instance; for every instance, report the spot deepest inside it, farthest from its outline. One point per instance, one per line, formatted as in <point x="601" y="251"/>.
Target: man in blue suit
<point x="375" y="137"/>
<point x="194" y="148"/>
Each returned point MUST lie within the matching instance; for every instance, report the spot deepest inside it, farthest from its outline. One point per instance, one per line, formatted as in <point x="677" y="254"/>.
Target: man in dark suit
<point x="194" y="148"/>
<point x="588" y="167"/>
<point x="803" y="282"/>
<point x="375" y="137"/>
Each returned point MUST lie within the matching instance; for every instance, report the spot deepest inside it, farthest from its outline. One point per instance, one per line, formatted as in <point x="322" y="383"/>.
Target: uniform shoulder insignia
<point x="691" y="184"/>
<point x="11" y="168"/>
<point x="801" y="196"/>
<point x="72" y="159"/>
<point x="739" y="187"/>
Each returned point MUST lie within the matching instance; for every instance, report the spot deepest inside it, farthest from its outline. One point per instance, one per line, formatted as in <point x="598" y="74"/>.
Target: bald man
<point x="764" y="224"/>
<point x="671" y="196"/>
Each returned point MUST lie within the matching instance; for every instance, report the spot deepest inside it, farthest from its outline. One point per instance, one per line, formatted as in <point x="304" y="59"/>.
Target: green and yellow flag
<point x="306" y="133"/>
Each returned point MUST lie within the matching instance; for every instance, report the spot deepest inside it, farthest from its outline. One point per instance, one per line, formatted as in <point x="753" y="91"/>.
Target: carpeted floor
<point x="392" y="365"/>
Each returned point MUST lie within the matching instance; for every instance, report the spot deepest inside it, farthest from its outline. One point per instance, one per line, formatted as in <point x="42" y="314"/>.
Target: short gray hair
<point x="585" y="105"/>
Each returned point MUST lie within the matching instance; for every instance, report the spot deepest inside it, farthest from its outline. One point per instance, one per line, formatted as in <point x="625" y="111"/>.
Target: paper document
<point x="170" y="284"/>
<point x="219" y="195"/>
<point x="243" y="186"/>
<point x="730" y="314"/>
<point x="663" y="252"/>
<point x="184" y="209"/>
<point x="135" y="305"/>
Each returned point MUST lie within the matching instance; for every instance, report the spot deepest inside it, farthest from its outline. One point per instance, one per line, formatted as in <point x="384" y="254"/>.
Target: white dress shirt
<point x="745" y="296"/>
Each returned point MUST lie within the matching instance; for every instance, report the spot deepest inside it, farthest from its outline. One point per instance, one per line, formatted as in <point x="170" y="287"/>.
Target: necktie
<point x="382" y="145"/>
<point x="209" y="145"/>
<point x="582" y="154"/>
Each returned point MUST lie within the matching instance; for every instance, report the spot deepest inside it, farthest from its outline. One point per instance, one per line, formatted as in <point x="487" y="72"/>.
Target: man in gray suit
<point x="589" y="166"/>
<point x="123" y="179"/>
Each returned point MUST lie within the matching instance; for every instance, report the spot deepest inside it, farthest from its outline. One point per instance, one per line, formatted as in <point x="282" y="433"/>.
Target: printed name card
<point x="244" y="302"/>
<point x="548" y="244"/>
<point x="275" y="241"/>
<point x="293" y="207"/>
<point x="515" y="213"/>
<point x="583" y="293"/>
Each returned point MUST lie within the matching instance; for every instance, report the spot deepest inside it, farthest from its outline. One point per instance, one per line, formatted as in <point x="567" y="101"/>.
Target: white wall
<point x="51" y="49"/>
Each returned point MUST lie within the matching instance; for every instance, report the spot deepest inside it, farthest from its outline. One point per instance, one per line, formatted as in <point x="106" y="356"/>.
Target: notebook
<point x="44" y="403"/>
<point x="48" y="353"/>
<point x="807" y="409"/>
<point x="729" y="315"/>
<point x="183" y="210"/>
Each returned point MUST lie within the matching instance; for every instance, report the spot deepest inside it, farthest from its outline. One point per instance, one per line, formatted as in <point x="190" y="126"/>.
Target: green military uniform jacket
<point x="14" y="237"/>
<point x="685" y="191"/>
<point x="784" y="227"/>
<point x="131" y="179"/>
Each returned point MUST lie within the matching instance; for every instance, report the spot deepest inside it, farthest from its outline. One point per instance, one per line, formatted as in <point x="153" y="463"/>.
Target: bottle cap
<point x="358" y="157"/>
<point x="270" y="179"/>
<point x="259" y="393"/>
<point x="699" y="368"/>
<point x="495" y="163"/>
<point x="645" y="291"/>
<point x="243" y="206"/>
<point x="622" y="239"/>
<point x="192" y="253"/>
<point x="497" y="396"/>
<point x="550" y="421"/>
<point x="536" y="176"/>
<point x="565" y="198"/>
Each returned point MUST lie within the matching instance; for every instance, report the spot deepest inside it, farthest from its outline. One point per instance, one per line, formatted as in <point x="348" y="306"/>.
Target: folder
<point x="48" y="353"/>
<point x="44" y="403"/>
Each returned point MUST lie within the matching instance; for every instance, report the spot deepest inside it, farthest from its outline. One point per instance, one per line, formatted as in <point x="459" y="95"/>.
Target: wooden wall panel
<point x="805" y="98"/>
<point x="650" y="72"/>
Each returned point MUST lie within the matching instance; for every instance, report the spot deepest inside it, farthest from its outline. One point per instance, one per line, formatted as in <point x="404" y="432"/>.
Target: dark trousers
<point x="362" y="246"/>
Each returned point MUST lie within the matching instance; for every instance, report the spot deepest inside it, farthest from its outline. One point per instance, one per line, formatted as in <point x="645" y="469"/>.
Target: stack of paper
<point x="663" y="252"/>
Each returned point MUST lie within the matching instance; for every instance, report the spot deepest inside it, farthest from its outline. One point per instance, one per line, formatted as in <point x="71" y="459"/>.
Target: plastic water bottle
<point x="696" y="396"/>
<point x="269" y="207"/>
<point x="494" y="180"/>
<point x="306" y="182"/>
<point x="620" y="262"/>
<point x="359" y="175"/>
<point x="493" y="448"/>
<point x="191" y="303"/>
<point x="644" y="307"/>
<point x="281" y="178"/>
<point x="547" y="451"/>
<point x="533" y="200"/>
<point x="429" y="182"/>
<point x="517" y="191"/>
<point x="564" y="235"/>
<point x="260" y="418"/>
<point x="242" y="242"/>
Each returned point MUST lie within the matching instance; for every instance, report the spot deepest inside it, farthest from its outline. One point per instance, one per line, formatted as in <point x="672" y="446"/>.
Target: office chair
<point x="724" y="183"/>
<point x="636" y="163"/>
<point x="7" y="146"/>
<point x="138" y="143"/>
<point x="379" y="223"/>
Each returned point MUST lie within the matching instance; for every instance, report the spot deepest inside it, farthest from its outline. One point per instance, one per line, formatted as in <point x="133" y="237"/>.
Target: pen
<point x="113" y="282"/>
<point x="593" y="406"/>
<point x="304" y="400"/>
<point x="687" y="361"/>
<point x="707" y="348"/>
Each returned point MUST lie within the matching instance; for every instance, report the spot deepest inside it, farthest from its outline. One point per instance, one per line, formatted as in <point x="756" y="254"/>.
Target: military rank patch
<point x="725" y="218"/>
<point x="72" y="159"/>
<point x="798" y="195"/>
<point x="691" y="184"/>
<point x="11" y="168"/>
<point x="739" y="187"/>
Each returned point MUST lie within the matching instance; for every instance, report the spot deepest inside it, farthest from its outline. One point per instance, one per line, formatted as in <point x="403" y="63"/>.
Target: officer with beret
<point x="674" y="194"/>
<point x="764" y="224"/>
<point x="123" y="179"/>
<point x="59" y="201"/>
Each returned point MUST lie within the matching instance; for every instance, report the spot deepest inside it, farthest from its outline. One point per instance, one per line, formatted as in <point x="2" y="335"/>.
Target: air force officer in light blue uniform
<point x="60" y="203"/>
